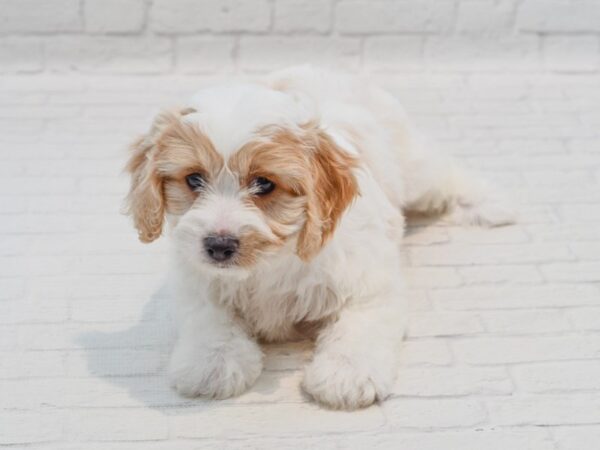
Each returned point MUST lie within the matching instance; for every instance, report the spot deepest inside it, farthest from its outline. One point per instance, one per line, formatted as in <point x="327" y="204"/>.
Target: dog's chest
<point x="282" y="305"/>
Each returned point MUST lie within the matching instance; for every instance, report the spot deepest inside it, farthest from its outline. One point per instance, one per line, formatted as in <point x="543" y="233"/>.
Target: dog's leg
<point x="433" y="183"/>
<point x="356" y="357"/>
<point x="213" y="356"/>
<point x="436" y="184"/>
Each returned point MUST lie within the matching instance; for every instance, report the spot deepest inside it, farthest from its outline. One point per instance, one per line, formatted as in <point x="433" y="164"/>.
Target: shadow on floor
<point x="134" y="361"/>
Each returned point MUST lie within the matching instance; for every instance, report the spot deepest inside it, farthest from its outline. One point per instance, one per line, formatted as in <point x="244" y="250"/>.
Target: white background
<point x="504" y="339"/>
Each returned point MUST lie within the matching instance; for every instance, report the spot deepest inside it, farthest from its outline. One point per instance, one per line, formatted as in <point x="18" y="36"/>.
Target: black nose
<point x="221" y="248"/>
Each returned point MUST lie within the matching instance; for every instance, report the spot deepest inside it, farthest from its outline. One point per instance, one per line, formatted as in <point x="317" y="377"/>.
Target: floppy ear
<point x="145" y="201"/>
<point x="333" y="189"/>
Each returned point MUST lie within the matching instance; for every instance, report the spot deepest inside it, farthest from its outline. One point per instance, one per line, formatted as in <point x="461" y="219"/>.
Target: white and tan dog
<point x="284" y="200"/>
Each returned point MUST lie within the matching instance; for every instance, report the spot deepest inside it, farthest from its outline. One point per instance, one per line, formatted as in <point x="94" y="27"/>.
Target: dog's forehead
<point x="230" y="115"/>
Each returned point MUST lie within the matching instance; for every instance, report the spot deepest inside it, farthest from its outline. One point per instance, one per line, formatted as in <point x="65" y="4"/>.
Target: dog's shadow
<point x="134" y="360"/>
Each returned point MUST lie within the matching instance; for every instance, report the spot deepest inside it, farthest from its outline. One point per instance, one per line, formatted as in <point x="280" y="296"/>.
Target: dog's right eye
<point x="195" y="181"/>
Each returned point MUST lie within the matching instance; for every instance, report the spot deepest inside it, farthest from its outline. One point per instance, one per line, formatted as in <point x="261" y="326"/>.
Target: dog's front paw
<point x="340" y="383"/>
<point x="215" y="372"/>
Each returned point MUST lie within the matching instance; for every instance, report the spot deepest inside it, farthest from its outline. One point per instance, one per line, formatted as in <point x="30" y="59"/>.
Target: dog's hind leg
<point x="433" y="183"/>
<point x="438" y="185"/>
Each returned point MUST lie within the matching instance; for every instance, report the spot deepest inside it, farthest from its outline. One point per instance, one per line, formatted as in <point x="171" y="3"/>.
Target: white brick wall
<point x="200" y="36"/>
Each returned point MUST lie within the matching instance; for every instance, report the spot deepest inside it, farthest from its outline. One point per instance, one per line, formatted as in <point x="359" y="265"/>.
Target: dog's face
<point x="242" y="175"/>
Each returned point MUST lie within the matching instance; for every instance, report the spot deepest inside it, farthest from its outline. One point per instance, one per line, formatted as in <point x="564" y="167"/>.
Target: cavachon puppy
<point x="285" y="201"/>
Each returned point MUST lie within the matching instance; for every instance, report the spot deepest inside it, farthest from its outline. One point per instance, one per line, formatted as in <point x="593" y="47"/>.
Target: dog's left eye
<point x="195" y="181"/>
<point x="262" y="186"/>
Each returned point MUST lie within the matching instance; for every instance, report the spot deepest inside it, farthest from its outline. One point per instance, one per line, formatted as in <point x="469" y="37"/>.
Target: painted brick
<point x="430" y="277"/>
<point x="394" y="52"/>
<point x="558" y="15"/>
<point x="574" y="272"/>
<point x="549" y="410"/>
<point x="572" y="52"/>
<point x="553" y="377"/>
<point x="508" y="350"/>
<point x="109" y="54"/>
<point x="24" y="427"/>
<point x="114" y="16"/>
<point x="576" y="438"/>
<point x="32" y="365"/>
<point x="205" y="54"/>
<point x="33" y="395"/>
<point x="433" y="382"/>
<point x="187" y="16"/>
<point x="484" y="54"/>
<point x="267" y="53"/>
<point x="386" y="16"/>
<point x="39" y="16"/>
<point x="121" y="424"/>
<point x="500" y="274"/>
<point x="585" y="318"/>
<point x="286" y="418"/>
<point x="511" y="297"/>
<point x="303" y="16"/>
<point x="467" y="439"/>
<point x="425" y="353"/>
<point x="21" y="54"/>
<point x="443" y="324"/>
<point x="456" y="254"/>
<point x="443" y="413"/>
<point x="525" y="322"/>
<point x="484" y="17"/>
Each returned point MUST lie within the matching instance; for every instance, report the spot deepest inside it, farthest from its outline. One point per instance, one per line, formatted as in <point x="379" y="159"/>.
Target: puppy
<point x="285" y="201"/>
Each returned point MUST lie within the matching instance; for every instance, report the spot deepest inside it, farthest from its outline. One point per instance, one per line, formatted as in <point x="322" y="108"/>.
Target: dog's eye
<point x="262" y="186"/>
<point x="195" y="181"/>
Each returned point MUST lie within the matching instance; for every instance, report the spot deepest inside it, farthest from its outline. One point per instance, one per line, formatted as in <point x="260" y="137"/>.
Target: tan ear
<point x="333" y="189"/>
<point x="145" y="201"/>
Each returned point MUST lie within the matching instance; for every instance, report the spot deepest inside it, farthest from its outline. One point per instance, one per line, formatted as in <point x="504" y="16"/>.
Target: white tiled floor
<point x="504" y="346"/>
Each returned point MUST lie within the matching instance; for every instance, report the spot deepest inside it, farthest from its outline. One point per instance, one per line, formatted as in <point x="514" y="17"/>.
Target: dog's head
<point x="243" y="174"/>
